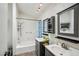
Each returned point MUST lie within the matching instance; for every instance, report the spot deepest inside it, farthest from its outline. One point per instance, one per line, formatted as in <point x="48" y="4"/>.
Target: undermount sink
<point x="59" y="48"/>
<point x="59" y="51"/>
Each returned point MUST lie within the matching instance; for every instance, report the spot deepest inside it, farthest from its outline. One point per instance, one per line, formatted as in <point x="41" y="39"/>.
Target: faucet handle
<point x="64" y="46"/>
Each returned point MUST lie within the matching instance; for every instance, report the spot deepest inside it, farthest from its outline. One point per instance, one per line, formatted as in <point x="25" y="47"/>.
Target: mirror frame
<point x="76" y="21"/>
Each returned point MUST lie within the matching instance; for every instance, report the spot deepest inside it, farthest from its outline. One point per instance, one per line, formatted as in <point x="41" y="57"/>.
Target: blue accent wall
<point x="39" y="29"/>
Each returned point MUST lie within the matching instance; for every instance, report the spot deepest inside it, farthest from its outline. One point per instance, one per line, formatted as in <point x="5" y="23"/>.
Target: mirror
<point x="68" y="21"/>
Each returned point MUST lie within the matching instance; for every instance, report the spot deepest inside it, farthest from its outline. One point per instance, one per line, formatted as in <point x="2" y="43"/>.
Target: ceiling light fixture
<point x="39" y="8"/>
<point x="41" y="4"/>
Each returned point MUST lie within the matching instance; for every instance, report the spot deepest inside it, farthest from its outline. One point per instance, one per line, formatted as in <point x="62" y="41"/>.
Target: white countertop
<point x="59" y="51"/>
<point x="40" y="39"/>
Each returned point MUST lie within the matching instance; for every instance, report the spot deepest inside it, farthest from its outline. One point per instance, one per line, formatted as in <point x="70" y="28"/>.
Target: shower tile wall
<point x="28" y="32"/>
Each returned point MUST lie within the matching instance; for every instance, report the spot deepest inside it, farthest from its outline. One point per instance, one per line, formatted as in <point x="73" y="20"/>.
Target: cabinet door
<point x="42" y="49"/>
<point x="37" y="48"/>
<point x="48" y="53"/>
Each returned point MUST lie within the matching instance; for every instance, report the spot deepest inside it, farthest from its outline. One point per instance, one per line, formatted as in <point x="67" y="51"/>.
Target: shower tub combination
<point x="26" y="36"/>
<point x="25" y="48"/>
<point x="25" y="45"/>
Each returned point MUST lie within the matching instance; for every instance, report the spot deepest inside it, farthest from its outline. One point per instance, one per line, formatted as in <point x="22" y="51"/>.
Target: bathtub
<point x="25" y="48"/>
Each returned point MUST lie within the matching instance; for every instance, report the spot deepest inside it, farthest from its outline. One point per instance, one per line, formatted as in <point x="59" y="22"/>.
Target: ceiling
<point x="31" y="9"/>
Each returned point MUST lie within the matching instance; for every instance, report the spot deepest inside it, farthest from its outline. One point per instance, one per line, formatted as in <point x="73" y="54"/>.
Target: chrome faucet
<point x="64" y="46"/>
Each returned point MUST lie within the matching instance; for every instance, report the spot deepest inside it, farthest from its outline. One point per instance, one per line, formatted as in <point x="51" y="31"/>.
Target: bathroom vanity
<point x="53" y="49"/>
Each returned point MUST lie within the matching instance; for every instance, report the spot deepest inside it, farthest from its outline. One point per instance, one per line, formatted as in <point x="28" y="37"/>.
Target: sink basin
<point x="59" y="50"/>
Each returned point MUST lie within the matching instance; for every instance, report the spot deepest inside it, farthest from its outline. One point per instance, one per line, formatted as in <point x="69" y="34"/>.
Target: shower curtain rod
<point x="28" y="19"/>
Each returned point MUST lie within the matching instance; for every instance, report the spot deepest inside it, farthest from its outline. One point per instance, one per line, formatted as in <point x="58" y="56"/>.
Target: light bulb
<point x="41" y="4"/>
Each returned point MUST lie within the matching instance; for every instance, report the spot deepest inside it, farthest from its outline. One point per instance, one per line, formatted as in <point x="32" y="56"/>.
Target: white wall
<point x="52" y="11"/>
<point x="9" y="25"/>
<point x="3" y="27"/>
<point x="24" y="16"/>
<point x="6" y="25"/>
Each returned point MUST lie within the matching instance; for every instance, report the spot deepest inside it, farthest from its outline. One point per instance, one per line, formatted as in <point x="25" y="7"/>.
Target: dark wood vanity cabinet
<point x="36" y="47"/>
<point x="39" y="49"/>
